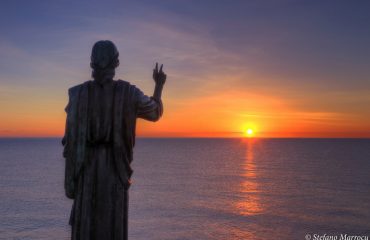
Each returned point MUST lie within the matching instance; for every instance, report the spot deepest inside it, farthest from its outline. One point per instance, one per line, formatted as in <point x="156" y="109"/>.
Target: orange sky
<point x="230" y="114"/>
<point x="224" y="114"/>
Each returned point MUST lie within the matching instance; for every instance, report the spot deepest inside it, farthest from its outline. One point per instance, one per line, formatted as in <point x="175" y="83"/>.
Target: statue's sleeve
<point x="148" y="108"/>
<point x="69" y="164"/>
<point x="64" y="140"/>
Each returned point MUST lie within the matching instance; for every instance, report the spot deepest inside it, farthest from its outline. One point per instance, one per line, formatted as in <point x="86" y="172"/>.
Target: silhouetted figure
<point x="98" y="143"/>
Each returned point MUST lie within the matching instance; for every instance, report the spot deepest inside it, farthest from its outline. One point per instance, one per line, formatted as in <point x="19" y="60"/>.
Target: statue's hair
<point x="104" y="55"/>
<point x="104" y="59"/>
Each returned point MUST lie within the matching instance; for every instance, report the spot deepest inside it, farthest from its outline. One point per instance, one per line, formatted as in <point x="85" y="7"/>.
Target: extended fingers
<point x="155" y="71"/>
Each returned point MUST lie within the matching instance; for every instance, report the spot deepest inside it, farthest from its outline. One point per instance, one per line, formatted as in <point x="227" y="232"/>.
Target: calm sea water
<point x="202" y="189"/>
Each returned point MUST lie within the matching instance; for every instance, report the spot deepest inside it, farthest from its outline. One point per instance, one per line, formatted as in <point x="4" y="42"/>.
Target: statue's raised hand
<point x="158" y="75"/>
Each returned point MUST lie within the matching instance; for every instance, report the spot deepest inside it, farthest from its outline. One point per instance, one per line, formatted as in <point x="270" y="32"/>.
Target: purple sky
<point x="314" y="55"/>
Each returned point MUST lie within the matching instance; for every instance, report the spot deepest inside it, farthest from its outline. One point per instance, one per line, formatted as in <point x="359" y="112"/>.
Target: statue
<point x="98" y="145"/>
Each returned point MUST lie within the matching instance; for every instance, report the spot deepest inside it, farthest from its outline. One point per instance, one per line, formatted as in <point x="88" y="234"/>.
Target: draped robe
<point x="98" y="148"/>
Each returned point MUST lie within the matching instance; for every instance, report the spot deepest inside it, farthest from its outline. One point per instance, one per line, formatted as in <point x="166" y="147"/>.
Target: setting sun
<point x="249" y="132"/>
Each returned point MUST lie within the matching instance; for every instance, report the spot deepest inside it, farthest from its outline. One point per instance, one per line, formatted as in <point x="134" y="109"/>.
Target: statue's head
<point x="104" y="60"/>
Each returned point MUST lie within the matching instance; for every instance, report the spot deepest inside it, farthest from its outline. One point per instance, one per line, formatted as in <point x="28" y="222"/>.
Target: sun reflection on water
<point x="250" y="202"/>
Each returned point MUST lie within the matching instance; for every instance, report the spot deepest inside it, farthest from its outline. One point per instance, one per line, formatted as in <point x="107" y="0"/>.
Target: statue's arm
<point x="148" y="108"/>
<point x="64" y="140"/>
<point x="69" y="184"/>
<point x="151" y="108"/>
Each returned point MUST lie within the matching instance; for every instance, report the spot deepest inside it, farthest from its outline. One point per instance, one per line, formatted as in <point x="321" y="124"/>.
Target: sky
<point x="286" y="68"/>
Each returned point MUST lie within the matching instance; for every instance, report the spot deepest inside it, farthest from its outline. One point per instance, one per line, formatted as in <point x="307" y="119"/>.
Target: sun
<point x="249" y="132"/>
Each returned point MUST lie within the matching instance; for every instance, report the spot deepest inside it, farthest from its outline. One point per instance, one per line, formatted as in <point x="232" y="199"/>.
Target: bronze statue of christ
<point x="98" y="145"/>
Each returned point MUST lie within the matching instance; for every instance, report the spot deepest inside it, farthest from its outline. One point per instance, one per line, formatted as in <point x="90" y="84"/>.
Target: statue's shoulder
<point x="76" y="89"/>
<point x="125" y="83"/>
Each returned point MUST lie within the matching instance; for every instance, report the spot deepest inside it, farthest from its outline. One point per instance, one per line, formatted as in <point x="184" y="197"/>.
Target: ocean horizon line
<point x="190" y="137"/>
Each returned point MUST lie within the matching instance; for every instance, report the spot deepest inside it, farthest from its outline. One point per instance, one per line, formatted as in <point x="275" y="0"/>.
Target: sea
<point x="206" y="189"/>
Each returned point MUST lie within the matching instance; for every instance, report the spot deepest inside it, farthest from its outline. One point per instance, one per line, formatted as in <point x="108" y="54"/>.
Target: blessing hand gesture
<point x="159" y="76"/>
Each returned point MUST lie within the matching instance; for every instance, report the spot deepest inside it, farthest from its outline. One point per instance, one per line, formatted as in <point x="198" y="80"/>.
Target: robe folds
<point x="98" y="149"/>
